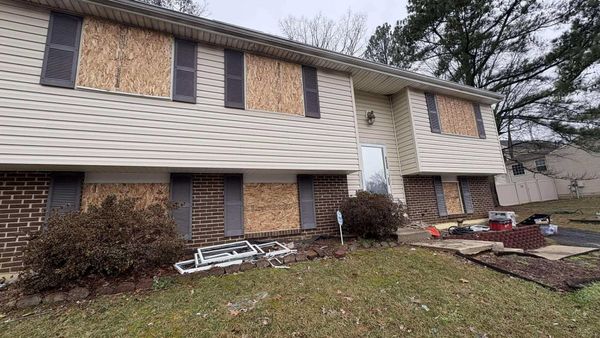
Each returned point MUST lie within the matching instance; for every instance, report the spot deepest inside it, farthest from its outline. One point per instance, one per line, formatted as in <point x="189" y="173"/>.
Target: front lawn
<point x="586" y="207"/>
<point x="382" y="292"/>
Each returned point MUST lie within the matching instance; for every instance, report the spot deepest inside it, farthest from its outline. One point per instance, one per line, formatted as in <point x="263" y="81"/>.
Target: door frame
<point x="386" y="168"/>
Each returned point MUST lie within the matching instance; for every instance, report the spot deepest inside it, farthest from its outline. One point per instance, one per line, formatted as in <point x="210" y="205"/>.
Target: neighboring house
<point x="542" y="171"/>
<point x="252" y="135"/>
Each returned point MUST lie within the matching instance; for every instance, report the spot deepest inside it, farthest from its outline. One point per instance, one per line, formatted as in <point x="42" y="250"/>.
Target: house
<point x="253" y="136"/>
<point x="542" y="171"/>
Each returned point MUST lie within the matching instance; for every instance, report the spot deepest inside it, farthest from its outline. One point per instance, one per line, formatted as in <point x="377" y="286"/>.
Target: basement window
<point x="540" y="165"/>
<point x="518" y="169"/>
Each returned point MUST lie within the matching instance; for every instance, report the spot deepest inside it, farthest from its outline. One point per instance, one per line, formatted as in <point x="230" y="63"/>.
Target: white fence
<point x="526" y="192"/>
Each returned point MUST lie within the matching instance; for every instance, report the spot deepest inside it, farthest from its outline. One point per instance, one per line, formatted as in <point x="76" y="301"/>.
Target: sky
<point x="264" y="15"/>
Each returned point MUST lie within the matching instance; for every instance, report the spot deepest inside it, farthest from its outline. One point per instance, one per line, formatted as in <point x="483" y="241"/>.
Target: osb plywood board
<point x="126" y="59"/>
<point x="99" y="54"/>
<point x="271" y="207"/>
<point x="456" y="116"/>
<point x="145" y="193"/>
<point x="273" y="85"/>
<point x="452" y="197"/>
<point x="146" y="63"/>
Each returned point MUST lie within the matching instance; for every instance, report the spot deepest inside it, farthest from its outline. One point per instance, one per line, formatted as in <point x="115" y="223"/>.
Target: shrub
<point x="371" y="215"/>
<point x="111" y="239"/>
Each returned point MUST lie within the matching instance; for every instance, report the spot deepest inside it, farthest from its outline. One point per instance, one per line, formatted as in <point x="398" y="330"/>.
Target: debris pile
<point x="236" y="253"/>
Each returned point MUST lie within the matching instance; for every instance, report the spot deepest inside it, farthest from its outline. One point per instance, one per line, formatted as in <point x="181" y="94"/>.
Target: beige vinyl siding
<point x="405" y="136"/>
<point x="441" y="153"/>
<point x="380" y="133"/>
<point x="56" y="126"/>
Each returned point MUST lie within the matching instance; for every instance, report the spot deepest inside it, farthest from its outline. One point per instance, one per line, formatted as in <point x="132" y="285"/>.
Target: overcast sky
<point x="264" y="15"/>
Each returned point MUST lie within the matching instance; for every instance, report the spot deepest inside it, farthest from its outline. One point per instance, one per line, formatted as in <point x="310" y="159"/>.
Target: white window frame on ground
<point x="518" y="169"/>
<point x="540" y="165"/>
<point x="385" y="165"/>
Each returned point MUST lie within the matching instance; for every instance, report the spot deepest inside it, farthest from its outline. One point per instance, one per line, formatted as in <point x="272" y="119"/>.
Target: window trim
<point x="386" y="168"/>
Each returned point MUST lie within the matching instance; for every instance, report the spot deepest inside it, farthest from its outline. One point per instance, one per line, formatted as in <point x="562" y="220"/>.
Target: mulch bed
<point x="564" y="275"/>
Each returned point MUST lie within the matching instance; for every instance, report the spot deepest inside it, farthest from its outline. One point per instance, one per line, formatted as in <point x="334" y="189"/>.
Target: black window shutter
<point x="234" y="79"/>
<point x="434" y="119"/>
<point x="234" y="205"/>
<point x="465" y="191"/>
<point x="62" y="48"/>
<point x="439" y="195"/>
<point x="184" y="71"/>
<point x="311" y="92"/>
<point x="181" y="196"/>
<point x="479" y="120"/>
<point x="306" y="195"/>
<point x="65" y="192"/>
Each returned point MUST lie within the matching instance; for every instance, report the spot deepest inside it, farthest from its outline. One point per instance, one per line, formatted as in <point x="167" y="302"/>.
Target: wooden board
<point x="120" y="58"/>
<point x="147" y="63"/>
<point x="273" y="85"/>
<point x="146" y="193"/>
<point x="452" y="197"/>
<point x="99" y="59"/>
<point x="456" y="116"/>
<point x="271" y="207"/>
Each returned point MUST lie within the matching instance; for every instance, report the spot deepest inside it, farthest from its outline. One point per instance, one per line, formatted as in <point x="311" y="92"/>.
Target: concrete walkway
<point x="577" y="237"/>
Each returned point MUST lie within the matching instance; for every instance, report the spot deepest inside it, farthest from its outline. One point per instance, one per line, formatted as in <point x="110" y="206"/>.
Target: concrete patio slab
<point x="463" y="246"/>
<point x="410" y="235"/>
<point x="557" y="252"/>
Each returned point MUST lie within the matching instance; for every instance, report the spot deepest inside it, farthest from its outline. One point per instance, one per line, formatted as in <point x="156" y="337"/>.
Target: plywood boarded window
<point x="273" y="85"/>
<point x="456" y="116"/>
<point x="145" y="194"/>
<point x="121" y="58"/>
<point x="271" y="207"/>
<point x="453" y="198"/>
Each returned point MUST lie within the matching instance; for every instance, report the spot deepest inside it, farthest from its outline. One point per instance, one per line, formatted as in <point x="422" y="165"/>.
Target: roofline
<point x="253" y="35"/>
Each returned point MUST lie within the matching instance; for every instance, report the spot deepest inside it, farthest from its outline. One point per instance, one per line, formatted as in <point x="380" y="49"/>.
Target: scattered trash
<point x="464" y="280"/>
<point x="536" y="219"/>
<point x="245" y="305"/>
<point x="223" y="255"/>
<point x="425" y="307"/>
<point x="549" y="230"/>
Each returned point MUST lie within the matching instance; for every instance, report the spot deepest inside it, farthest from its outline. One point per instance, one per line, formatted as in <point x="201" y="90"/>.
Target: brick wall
<point x="23" y="198"/>
<point x="208" y="225"/>
<point x="525" y="237"/>
<point x="421" y="201"/>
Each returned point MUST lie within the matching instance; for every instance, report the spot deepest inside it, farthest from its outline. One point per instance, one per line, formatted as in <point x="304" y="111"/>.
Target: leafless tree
<point x="194" y="7"/>
<point x="346" y="34"/>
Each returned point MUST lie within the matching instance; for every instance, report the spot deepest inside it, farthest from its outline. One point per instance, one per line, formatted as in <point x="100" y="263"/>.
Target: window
<point x="374" y="169"/>
<point x="540" y="165"/>
<point x="518" y="169"/>
<point x="454" y="116"/>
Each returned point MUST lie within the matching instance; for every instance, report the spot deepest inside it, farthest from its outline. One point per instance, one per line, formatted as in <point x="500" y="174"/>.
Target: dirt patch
<point x="563" y="275"/>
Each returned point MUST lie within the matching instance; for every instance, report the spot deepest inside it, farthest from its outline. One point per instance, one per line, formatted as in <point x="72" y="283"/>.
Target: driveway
<point x="577" y="237"/>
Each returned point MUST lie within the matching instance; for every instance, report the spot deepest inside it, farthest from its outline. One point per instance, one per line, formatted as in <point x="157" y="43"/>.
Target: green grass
<point x="384" y="292"/>
<point x="589" y="206"/>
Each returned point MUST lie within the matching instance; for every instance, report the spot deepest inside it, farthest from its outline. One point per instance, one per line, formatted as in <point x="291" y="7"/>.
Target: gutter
<point x="250" y="35"/>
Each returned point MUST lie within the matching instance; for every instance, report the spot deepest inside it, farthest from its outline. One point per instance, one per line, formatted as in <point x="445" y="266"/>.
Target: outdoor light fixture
<point x="370" y="117"/>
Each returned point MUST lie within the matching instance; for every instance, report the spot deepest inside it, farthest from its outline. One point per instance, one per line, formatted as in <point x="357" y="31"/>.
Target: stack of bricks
<point x="421" y="200"/>
<point x="208" y="218"/>
<point x="524" y="237"/>
<point x="23" y="197"/>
